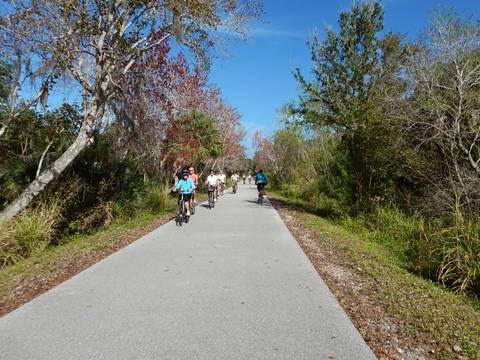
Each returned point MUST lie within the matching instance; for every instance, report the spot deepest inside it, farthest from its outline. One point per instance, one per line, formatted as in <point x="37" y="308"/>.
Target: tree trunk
<point x="46" y="176"/>
<point x="3" y="129"/>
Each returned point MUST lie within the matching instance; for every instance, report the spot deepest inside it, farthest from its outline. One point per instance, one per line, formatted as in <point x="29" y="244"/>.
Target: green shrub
<point x="399" y="231"/>
<point x="127" y="206"/>
<point x="327" y="207"/>
<point x="156" y="199"/>
<point x="354" y="224"/>
<point x="446" y="251"/>
<point x="292" y="191"/>
<point x="458" y="247"/>
<point x="35" y="228"/>
<point x="32" y="231"/>
<point x="100" y="216"/>
<point x="408" y="238"/>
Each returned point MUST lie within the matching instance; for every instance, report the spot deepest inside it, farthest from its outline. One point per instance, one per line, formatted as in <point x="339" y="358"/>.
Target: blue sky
<point x="256" y="77"/>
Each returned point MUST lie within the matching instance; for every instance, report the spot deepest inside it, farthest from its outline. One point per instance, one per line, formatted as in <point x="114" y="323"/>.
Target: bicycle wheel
<point x="192" y="208"/>
<point x="179" y="216"/>
<point x="184" y="213"/>
<point x="260" y="199"/>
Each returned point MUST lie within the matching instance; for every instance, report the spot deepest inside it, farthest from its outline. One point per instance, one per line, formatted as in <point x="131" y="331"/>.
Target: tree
<point x="192" y="139"/>
<point x="345" y="67"/>
<point x="444" y="111"/>
<point x="172" y="113"/>
<point x="96" y="43"/>
<point x="355" y="71"/>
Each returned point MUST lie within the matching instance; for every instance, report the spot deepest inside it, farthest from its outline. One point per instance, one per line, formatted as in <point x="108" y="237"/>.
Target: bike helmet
<point x="185" y="172"/>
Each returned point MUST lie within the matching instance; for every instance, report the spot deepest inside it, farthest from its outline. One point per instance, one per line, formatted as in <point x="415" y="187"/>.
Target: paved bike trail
<point x="231" y="284"/>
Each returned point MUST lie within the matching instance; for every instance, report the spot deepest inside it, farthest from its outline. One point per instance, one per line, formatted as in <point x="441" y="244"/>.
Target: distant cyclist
<point x="244" y="177"/>
<point x="249" y="178"/>
<point x="222" y="178"/>
<point x="261" y="181"/>
<point x="194" y="177"/>
<point x="186" y="186"/>
<point x="212" y="183"/>
<point x="235" y="180"/>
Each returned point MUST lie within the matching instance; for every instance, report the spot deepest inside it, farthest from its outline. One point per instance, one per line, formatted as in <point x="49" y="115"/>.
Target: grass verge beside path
<point x="400" y="315"/>
<point x="28" y="278"/>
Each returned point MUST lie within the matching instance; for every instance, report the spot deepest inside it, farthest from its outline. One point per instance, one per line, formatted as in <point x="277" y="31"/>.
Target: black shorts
<point x="211" y="188"/>
<point x="186" y="197"/>
<point x="260" y="186"/>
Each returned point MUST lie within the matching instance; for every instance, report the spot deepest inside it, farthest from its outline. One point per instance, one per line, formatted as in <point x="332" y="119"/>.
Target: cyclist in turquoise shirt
<point x="186" y="187"/>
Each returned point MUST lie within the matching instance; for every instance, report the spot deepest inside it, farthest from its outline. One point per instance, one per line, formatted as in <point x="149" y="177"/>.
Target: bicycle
<point x="260" y="198"/>
<point x="261" y="193"/>
<point x="234" y="188"/>
<point x="211" y="197"/>
<point x="222" y="188"/>
<point x="181" y="216"/>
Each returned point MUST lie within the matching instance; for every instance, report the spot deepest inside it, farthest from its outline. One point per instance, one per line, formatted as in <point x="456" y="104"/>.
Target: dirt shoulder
<point x="399" y="315"/>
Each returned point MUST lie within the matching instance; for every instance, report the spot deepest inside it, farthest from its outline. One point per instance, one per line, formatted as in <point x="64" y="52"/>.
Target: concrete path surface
<point x="231" y="284"/>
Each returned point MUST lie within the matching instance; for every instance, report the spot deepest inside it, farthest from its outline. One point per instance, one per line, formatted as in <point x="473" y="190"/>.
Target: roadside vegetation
<point x="423" y="319"/>
<point x="386" y="136"/>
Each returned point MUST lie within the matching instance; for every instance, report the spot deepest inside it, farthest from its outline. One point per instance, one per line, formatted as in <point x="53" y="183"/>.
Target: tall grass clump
<point x="327" y="207"/>
<point x="404" y="235"/>
<point x="10" y="251"/>
<point x="35" y="228"/>
<point x="292" y="190"/>
<point x="156" y="198"/>
<point x="458" y="247"/>
<point x="32" y="231"/>
<point x="446" y="250"/>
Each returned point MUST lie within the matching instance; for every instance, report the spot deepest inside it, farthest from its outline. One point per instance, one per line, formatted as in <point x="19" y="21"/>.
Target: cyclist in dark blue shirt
<point x="261" y="181"/>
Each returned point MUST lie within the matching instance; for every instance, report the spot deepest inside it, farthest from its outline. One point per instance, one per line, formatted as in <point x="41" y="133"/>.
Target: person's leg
<point x="187" y="199"/>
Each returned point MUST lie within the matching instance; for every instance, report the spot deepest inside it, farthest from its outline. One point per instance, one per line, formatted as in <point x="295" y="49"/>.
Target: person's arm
<point x="179" y="185"/>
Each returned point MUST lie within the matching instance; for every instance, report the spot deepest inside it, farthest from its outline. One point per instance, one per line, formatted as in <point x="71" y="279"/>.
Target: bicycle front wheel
<point x="179" y="217"/>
